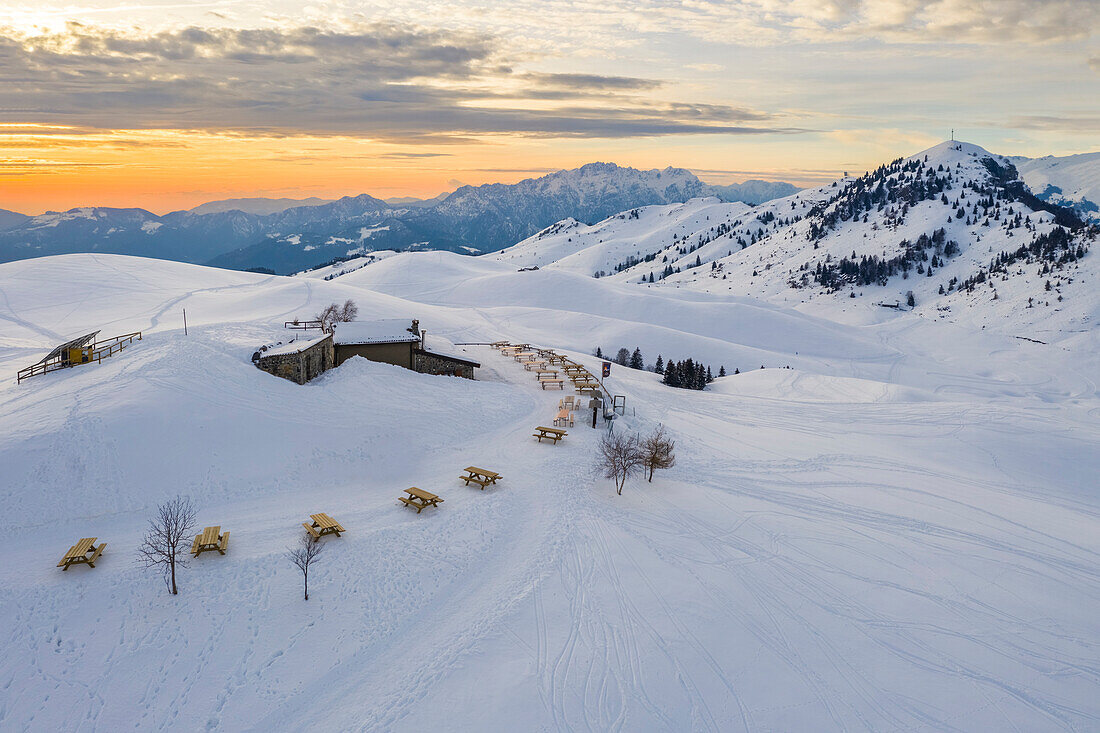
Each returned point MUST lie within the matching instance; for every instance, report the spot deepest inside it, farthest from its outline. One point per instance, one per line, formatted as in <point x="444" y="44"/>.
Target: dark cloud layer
<point x="383" y="81"/>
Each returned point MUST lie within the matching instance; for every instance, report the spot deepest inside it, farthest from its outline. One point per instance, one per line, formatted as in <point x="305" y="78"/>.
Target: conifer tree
<point x="659" y="367"/>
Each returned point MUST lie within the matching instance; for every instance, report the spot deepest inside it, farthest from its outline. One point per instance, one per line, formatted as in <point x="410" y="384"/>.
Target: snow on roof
<point x="388" y="331"/>
<point x="294" y="347"/>
<point x="439" y="346"/>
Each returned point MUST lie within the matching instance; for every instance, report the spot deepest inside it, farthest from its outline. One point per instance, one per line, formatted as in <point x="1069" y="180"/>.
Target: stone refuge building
<point x="300" y="360"/>
<point x="394" y="341"/>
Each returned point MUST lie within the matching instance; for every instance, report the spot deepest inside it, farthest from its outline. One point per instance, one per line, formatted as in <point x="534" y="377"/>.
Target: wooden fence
<point x="100" y="350"/>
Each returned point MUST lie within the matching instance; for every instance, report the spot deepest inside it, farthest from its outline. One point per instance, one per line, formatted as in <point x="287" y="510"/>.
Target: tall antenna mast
<point x="952" y="134"/>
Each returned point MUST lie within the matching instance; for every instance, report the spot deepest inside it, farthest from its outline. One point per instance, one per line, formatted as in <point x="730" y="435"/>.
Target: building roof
<point x="389" y="331"/>
<point x="294" y="347"/>
<point x="441" y="347"/>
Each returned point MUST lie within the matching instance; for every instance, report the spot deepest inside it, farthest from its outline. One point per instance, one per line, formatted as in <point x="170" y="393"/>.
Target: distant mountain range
<point x="289" y="235"/>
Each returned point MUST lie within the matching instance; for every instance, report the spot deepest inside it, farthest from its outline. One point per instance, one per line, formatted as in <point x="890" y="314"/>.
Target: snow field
<point x="901" y="532"/>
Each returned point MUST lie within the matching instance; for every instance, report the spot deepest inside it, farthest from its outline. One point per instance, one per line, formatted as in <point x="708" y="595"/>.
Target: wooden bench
<point x="480" y="476"/>
<point x="212" y="538"/>
<point x="559" y="383"/>
<point x="534" y="366"/>
<point x="78" y="553"/>
<point x="323" y="524"/>
<point x="420" y="499"/>
<point x="549" y="433"/>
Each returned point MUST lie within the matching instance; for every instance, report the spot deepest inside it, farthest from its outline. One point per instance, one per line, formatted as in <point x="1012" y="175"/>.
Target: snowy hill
<point x="620" y="241"/>
<point x="1071" y="180"/>
<point x="952" y="225"/>
<point x="899" y="532"/>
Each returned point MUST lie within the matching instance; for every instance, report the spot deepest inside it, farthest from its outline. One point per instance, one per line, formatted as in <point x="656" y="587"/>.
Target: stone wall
<point x="428" y="363"/>
<point x="302" y="366"/>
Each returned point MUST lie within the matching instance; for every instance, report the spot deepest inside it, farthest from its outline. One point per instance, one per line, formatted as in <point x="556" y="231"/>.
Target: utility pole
<point x="184" y="321"/>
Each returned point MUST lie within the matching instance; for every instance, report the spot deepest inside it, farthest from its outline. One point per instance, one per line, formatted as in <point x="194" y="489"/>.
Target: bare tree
<point x="619" y="457"/>
<point x="165" y="542"/>
<point x="334" y="313"/>
<point x="658" y="451"/>
<point x="304" y="555"/>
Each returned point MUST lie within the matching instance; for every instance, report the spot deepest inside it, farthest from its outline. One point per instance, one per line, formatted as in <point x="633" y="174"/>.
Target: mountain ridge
<point x="288" y="235"/>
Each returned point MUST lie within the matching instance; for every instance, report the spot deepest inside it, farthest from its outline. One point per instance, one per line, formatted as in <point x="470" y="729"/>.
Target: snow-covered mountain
<point x="1070" y="180"/>
<point x="753" y="191"/>
<point x="953" y="226"/>
<point x="262" y="206"/>
<point x="285" y="236"/>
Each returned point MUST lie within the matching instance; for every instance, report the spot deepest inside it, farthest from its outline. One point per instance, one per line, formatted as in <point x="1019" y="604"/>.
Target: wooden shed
<point x="391" y="341"/>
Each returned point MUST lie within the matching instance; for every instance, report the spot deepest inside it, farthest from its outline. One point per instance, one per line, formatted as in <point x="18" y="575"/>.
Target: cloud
<point x="1066" y="123"/>
<point x="382" y="81"/>
<point x="403" y="156"/>
<point x="591" y="82"/>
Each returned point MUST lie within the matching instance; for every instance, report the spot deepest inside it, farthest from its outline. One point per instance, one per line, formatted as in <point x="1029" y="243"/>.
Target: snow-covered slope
<point x="899" y="532"/>
<point x="620" y="241"/>
<point x="1070" y="180"/>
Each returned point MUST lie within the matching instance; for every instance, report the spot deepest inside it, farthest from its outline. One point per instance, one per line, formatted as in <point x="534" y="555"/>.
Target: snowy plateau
<point x="888" y="519"/>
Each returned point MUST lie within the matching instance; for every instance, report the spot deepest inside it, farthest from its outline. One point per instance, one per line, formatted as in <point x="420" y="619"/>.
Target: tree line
<point x="685" y="374"/>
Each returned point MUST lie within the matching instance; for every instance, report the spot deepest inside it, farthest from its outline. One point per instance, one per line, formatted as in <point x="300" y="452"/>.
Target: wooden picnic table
<point x="564" y="417"/>
<point x="522" y="355"/>
<point x="211" y="538"/>
<point x="573" y="368"/>
<point x="552" y="372"/>
<point x="480" y="476"/>
<point x="559" y="383"/>
<point x="323" y="524"/>
<point x="556" y="359"/>
<point x="78" y="553"/>
<point x="549" y="433"/>
<point x="420" y="499"/>
<point x="499" y="344"/>
<point x="535" y="365"/>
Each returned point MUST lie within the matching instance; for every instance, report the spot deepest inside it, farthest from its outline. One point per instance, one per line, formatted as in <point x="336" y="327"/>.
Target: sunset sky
<point x="164" y="106"/>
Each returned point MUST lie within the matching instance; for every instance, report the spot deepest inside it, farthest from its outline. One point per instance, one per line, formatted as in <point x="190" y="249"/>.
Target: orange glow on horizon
<point x="54" y="167"/>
